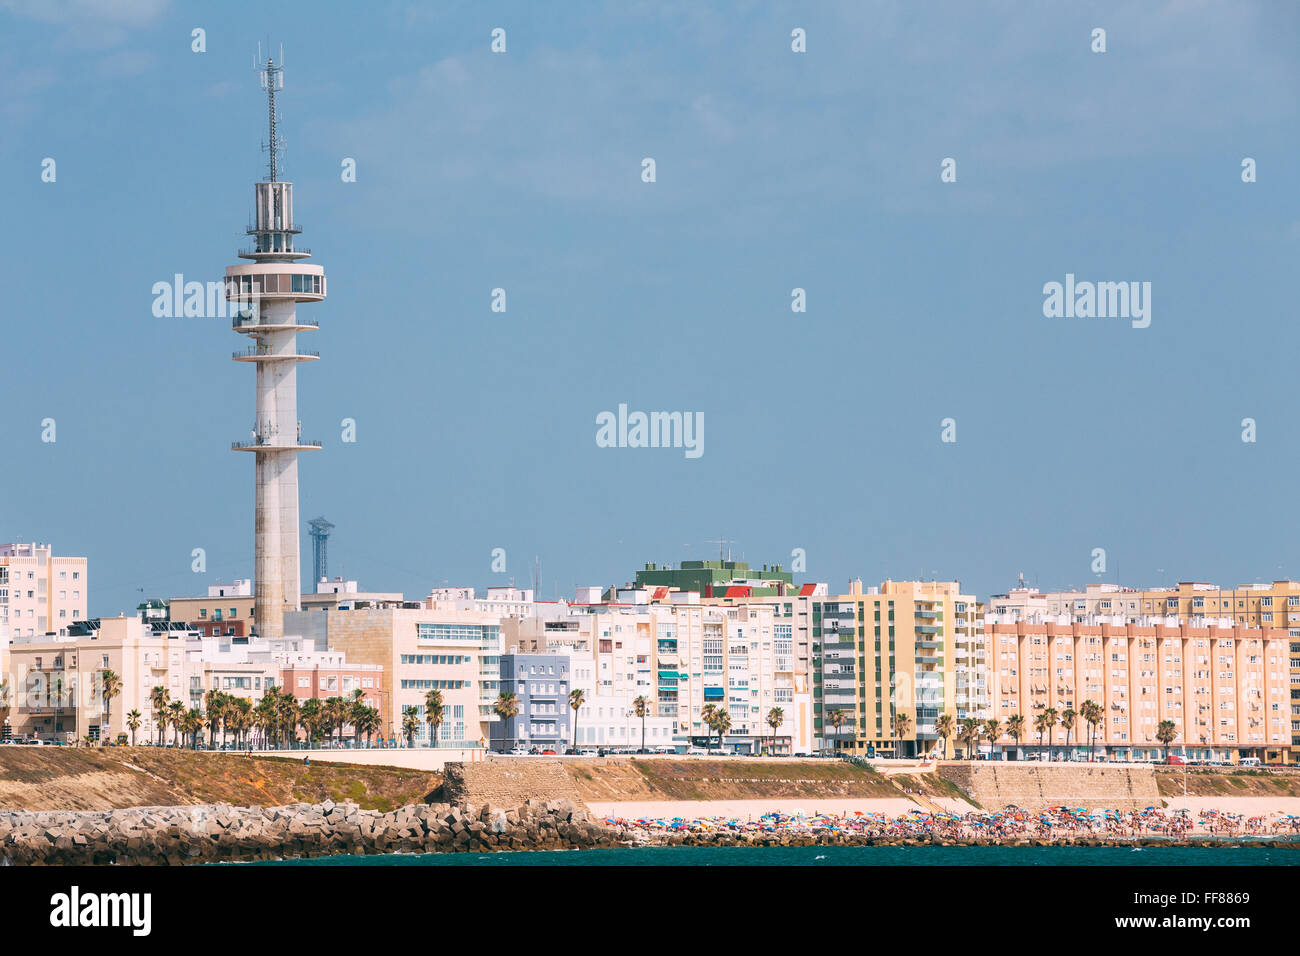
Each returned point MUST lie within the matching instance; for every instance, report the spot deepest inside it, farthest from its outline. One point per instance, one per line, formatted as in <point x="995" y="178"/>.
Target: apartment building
<point x="1226" y="688"/>
<point x="55" y="679"/>
<point x="905" y="649"/>
<point x="1275" y="604"/>
<point x="1272" y="605"/>
<point x="713" y="578"/>
<point x="541" y="685"/>
<point x="40" y="592"/>
<point x="418" y="650"/>
<point x="681" y="655"/>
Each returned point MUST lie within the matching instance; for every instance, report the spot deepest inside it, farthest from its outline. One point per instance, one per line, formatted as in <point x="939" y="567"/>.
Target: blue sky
<point x="775" y="170"/>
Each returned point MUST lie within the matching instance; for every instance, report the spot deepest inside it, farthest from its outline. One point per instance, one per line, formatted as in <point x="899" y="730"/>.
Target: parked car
<point x="548" y="752"/>
<point x="696" y="751"/>
<point x="665" y="750"/>
<point x="1249" y="762"/>
<point x="519" y="751"/>
<point x="1175" y="761"/>
<point x="587" y="753"/>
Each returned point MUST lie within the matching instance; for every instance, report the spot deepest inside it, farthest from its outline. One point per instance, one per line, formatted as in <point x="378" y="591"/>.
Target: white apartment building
<point x="681" y="655"/>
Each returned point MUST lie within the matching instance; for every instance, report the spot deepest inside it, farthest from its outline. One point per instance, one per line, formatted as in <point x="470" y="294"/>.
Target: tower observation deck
<point x="266" y="291"/>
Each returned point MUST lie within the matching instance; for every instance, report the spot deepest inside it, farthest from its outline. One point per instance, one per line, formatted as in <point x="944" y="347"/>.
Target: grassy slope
<point x="1227" y="783"/>
<point x="726" y="780"/>
<point x="50" y="778"/>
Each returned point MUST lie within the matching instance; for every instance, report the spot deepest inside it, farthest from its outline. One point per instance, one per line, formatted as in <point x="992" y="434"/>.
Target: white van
<point x="1249" y="762"/>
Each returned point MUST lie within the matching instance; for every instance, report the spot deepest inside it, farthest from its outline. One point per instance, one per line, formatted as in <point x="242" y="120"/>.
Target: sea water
<point x="837" y="856"/>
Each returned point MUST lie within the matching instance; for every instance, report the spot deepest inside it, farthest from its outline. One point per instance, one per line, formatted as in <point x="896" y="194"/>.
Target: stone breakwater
<point x="213" y="833"/>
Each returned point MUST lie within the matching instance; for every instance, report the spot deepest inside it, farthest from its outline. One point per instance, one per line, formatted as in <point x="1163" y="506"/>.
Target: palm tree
<point x="356" y="711"/>
<point x="410" y="724"/>
<point x="577" y="698"/>
<point x="943" y="728"/>
<point x="110" y="687"/>
<point x="158" y="698"/>
<point x="309" y="719"/>
<point x="367" y="722"/>
<point x="970" y="733"/>
<point x="241" y="716"/>
<point x="1165" y="733"/>
<point x="1016" y="728"/>
<point x="507" y="708"/>
<point x="1049" y="721"/>
<point x="721" y="723"/>
<point x="1067" y="723"/>
<point x="288" y="714"/>
<point x="775" y="718"/>
<point x="433" y="713"/>
<point x="176" y="717"/>
<point x="213" y="701"/>
<point x="266" y="720"/>
<point x="1092" y="713"/>
<point x="836" y="719"/>
<point x="192" y="725"/>
<point x="706" y="718"/>
<point x="902" y="727"/>
<point x="335" y="713"/>
<point x="641" y="707"/>
<point x="133" y="723"/>
<point x="992" y="730"/>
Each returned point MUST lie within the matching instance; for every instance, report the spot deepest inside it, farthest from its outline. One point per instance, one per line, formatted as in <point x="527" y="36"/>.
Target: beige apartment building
<point x="1227" y="689"/>
<point x="40" y="592"/>
<point x="418" y="649"/>
<point x="55" y="683"/>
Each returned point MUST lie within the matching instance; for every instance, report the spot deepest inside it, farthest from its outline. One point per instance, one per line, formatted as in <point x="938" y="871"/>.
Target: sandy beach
<point x="744" y="809"/>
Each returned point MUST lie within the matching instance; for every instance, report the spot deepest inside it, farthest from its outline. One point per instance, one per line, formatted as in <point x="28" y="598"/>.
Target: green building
<point x="712" y="578"/>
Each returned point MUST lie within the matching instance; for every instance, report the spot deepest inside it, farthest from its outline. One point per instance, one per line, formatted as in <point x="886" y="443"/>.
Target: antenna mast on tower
<point x="272" y="77"/>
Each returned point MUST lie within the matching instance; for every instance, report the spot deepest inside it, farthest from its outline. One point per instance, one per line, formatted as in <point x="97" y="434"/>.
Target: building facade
<point x="40" y="592"/>
<point x="457" y="653"/>
<point x="888" y="661"/>
<point x="1226" y="688"/>
<point x="541" y="685"/>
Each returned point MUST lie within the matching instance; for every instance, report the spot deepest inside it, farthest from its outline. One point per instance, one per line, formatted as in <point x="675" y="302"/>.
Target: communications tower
<point x="266" y="291"/>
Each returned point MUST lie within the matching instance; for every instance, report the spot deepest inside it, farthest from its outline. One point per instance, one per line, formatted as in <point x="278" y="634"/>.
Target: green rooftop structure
<point x="713" y="578"/>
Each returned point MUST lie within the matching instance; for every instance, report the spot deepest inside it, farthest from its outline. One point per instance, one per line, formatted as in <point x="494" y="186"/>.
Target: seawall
<point x="508" y="783"/>
<point x="995" y="785"/>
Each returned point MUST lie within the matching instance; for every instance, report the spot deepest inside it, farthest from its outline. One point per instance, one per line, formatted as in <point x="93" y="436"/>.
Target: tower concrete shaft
<point x="267" y="292"/>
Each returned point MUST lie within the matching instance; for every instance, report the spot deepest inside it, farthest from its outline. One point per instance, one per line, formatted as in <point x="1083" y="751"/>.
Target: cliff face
<point x="995" y="785"/>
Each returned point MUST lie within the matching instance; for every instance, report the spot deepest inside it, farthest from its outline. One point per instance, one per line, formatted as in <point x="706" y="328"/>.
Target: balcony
<point x="265" y="355"/>
<point x="298" y="253"/>
<point x="241" y="323"/>
<point x="272" y="446"/>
